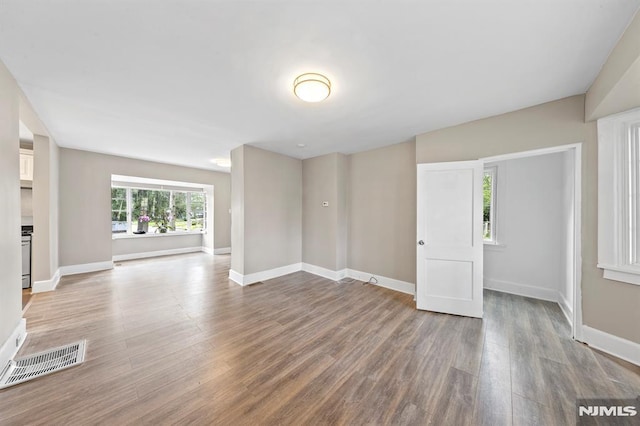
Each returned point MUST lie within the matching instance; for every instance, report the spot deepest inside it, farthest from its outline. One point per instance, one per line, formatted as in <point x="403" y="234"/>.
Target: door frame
<point x="576" y="264"/>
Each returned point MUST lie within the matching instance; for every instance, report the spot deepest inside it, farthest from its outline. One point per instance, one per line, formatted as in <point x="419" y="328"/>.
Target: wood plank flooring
<point x="172" y="341"/>
<point x="26" y="298"/>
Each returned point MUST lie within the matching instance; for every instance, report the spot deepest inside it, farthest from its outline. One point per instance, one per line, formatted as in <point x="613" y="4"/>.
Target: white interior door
<point x="449" y="275"/>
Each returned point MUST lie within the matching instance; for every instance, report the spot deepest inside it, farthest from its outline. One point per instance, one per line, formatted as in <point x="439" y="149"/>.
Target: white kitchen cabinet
<point x="26" y="164"/>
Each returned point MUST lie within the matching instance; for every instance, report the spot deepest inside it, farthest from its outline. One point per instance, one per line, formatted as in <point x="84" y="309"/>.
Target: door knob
<point x="421" y="242"/>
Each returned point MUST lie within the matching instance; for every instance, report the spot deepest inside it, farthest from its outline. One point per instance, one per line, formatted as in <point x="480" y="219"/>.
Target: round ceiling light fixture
<point x="221" y="162"/>
<point x="312" y="87"/>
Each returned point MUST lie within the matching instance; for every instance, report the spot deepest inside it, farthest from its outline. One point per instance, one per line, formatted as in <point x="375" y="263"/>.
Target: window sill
<point x="155" y="235"/>
<point x="617" y="273"/>
<point x="494" y="246"/>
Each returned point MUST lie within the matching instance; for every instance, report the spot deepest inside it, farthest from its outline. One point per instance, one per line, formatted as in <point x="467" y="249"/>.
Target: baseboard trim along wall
<point x="46" y="285"/>
<point x="144" y="255"/>
<point x="613" y="345"/>
<point x="236" y="277"/>
<point x="386" y="282"/>
<point x="324" y="272"/>
<point x="390" y="283"/>
<point x="50" y="285"/>
<point x="86" y="267"/>
<point x="263" y="275"/>
<point x="221" y="250"/>
<point x="566" y="308"/>
<point x="13" y="344"/>
<point x="521" y="289"/>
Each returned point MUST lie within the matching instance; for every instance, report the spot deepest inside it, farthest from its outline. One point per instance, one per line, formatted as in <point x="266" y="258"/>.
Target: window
<point x="489" y="205"/>
<point x="118" y="210"/>
<point x="198" y="211"/>
<point x="619" y="196"/>
<point x="137" y="210"/>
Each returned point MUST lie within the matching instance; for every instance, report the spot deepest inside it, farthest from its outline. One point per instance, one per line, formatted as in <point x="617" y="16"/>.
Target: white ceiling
<point x="186" y="81"/>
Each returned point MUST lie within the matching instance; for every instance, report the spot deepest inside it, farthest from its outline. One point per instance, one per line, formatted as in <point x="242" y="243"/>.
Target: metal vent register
<point x="42" y="363"/>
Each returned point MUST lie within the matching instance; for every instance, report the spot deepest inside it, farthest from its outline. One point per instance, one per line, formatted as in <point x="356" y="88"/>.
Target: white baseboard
<point x="46" y="285"/>
<point x="263" y="275"/>
<point x="13" y="344"/>
<point x="236" y="277"/>
<point x="324" y="272"/>
<point x="521" y="289"/>
<point x="221" y="250"/>
<point x="614" y="345"/>
<point x="147" y="254"/>
<point x="566" y="308"/>
<point x="390" y="283"/>
<point x="86" y="267"/>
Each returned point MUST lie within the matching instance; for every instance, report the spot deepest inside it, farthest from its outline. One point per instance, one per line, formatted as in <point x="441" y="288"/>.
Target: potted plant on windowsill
<point x="143" y="224"/>
<point x="163" y="222"/>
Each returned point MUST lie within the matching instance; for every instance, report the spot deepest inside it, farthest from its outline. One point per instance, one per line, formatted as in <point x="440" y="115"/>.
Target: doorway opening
<point x="535" y="213"/>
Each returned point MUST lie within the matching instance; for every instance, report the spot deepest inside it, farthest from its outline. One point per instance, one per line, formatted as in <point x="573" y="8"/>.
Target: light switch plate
<point x="325" y="204"/>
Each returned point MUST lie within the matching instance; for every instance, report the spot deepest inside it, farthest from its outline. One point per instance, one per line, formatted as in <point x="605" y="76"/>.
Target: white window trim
<point x="123" y="236"/>
<point x="614" y="229"/>
<point x="129" y="183"/>
<point x="494" y="219"/>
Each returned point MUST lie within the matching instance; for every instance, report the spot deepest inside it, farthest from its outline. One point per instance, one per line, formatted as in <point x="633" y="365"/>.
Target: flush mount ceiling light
<point x="312" y="87"/>
<point x="222" y="162"/>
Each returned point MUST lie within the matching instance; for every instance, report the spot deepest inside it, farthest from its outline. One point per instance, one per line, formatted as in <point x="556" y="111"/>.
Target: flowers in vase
<point x="144" y="218"/>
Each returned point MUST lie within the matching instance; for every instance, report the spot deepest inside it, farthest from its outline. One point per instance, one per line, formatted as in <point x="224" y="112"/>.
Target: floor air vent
<point x="42" y="363"/>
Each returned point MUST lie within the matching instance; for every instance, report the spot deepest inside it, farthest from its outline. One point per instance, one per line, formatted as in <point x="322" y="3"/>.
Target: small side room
<point x="529" y="227"/>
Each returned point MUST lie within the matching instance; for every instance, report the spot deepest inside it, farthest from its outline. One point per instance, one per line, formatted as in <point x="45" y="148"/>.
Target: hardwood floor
<point x="26" y="298"/>
<point x="172" y="340"/>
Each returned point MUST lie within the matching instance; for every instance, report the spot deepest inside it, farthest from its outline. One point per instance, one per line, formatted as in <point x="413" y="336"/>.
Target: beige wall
<point x="342" y="182"/>
<point x="41" y="265"/>
<point x="10" y="253"/>
<point x="551" y="124"/>
<point x="26" y="205"/>
<point x="45" y="207"/>
<point x="124" y="246"/>
<point x="54" y="206"/>
<point x="609" y="306"/>
<point x="617" y="87"/>
<point x="272" y="215"/>
<point x="273" y="210"/>
<point x="382" y="212"/>
<point x="85" y="188"/>
<point x="323" y="228"/>
<point x="237" y="210"/>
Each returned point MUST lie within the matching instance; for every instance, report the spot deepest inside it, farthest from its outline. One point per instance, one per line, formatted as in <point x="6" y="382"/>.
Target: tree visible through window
<point x="157" y="211"/>
<point x="488" y="212"/>
<point x="118" y="210"/>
